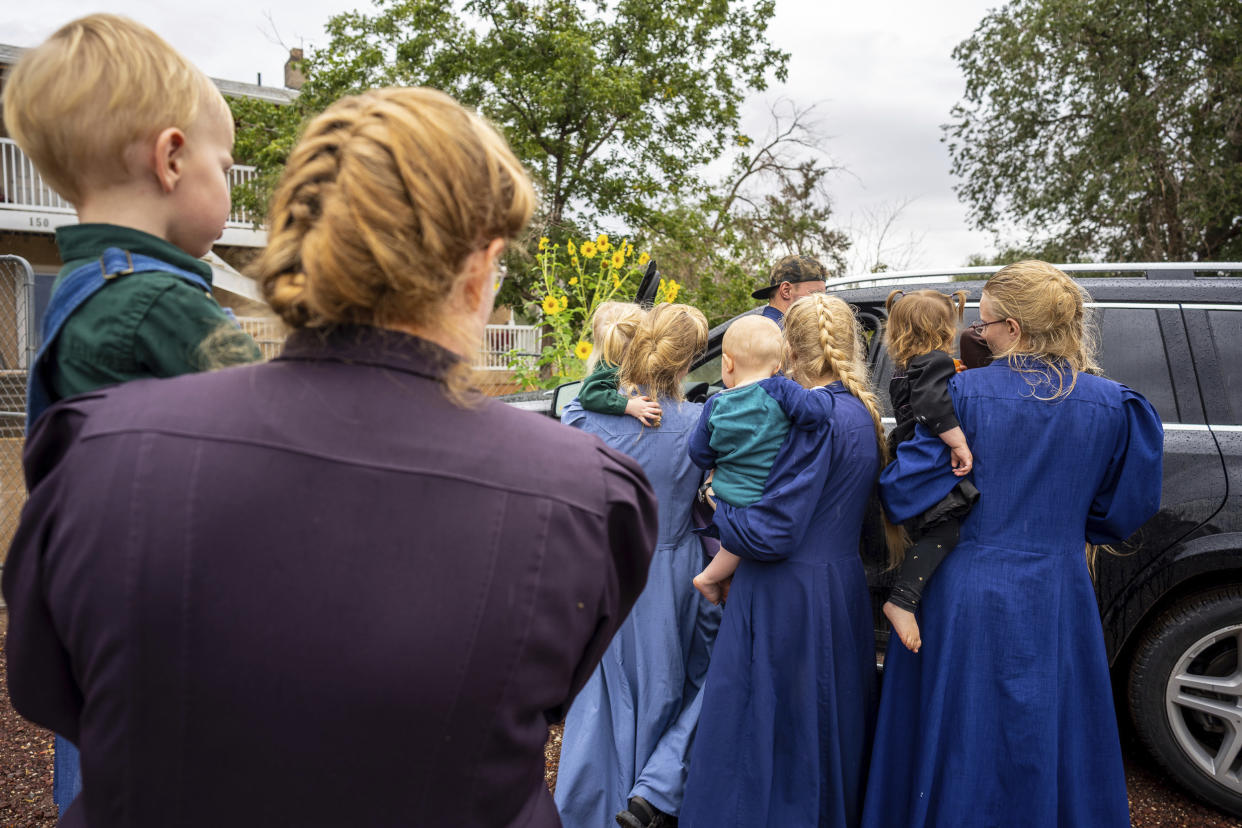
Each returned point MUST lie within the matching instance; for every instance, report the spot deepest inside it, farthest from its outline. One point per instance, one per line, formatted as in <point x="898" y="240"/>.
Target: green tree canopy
<point x="613" y="106"/>
<point x="1109" y="128"/>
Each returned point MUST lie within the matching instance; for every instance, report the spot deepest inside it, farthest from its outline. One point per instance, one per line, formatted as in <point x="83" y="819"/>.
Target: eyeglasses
<point x="978" y="327"/>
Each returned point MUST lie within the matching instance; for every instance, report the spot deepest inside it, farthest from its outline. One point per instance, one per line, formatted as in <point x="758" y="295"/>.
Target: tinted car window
<point x="1225" y="327"/>
<point x="1132" y="353"/>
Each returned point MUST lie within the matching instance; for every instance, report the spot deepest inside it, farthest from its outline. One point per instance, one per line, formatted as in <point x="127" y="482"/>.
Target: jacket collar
<point x="365" y="345"/>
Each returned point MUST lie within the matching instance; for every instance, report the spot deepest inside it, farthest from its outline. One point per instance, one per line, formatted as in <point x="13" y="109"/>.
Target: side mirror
<point x="649" y="286"/>
<point x="562" y="395"/>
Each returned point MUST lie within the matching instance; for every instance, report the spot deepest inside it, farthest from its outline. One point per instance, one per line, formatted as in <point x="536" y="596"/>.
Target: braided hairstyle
<point x="381" y="202"/>
<point x="665" y="342"/>
<point x="1051" y="310"/>
<point x="822" y="338"/>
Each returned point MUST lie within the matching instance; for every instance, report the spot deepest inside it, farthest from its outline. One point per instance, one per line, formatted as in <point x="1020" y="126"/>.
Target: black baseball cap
<point x="792" y="269"/>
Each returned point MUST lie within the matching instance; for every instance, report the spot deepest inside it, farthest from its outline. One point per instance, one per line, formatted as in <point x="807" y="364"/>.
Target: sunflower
<point x="583" y="351"/>
<point x="602" y="242"/>
<point x="570" y="249"/>
<point x="564" y="302"/>
<point x="551" y="305"/>
<point x="618" y="259"/>
<point x="543" y="243"/>
<point x="643" y="258"/>
<point x="573" y="281"/>
<point x="588" y="250"/>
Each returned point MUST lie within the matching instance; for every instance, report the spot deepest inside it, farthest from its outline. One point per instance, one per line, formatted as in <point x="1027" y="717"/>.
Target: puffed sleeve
<point x="929" y="375"/>
<point x="40" y="673"/>
<point x="630" y="528"/>
<point x="1130" y="491"/>
<point x="701" y="452"/>
<point x="772" y="528"/>
<point x="919" y="478"/>
<point x="806" y="408"/>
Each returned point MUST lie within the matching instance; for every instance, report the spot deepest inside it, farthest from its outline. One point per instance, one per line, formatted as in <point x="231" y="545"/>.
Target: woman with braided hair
<point x="628" y="734"/>
<point x="789" y="700"/>
<point x="340" y="588"/>
<point x="1005" y="716"/>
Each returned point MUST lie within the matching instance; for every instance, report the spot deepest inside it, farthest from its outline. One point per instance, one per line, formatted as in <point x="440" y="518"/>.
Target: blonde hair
<point x="79" y="101"/>
<point x="822" y="336"/>
<point x="1050" y="308"/>
<point x="665" y="343"/>
<point x="382" y="201"/>
<point x="753" y="342"/>
<point x="612" y="326"/>
<point x="922" y="321"/>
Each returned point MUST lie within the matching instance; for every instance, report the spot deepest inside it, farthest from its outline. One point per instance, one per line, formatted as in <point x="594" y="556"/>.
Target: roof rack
<point x="1150" y="270"/>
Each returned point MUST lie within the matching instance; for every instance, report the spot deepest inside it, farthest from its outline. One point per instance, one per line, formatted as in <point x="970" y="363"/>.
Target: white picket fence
<point x="498" y="341"/>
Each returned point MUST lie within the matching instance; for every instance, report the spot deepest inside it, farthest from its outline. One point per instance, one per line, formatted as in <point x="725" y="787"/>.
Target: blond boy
<point x="741" y="429"/>
<point x="140" y="142"/>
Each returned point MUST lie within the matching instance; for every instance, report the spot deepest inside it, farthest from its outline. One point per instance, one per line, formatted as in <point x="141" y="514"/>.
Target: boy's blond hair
<point x="612" y="328"/>
<point x="76" y="103"/>
<point x="753" y="342"/>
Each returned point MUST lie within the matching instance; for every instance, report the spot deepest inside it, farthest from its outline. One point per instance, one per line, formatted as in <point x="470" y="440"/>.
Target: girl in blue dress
<point x="789" y="702"/>
<point x="627" y="736"/>
<point x="1005" y="716"/>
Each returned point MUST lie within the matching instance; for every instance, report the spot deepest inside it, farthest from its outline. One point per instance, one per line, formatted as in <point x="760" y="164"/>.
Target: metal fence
<point x="16" y="350"/>
<point x="500" y="340"/>
<point x="268" y="331"/>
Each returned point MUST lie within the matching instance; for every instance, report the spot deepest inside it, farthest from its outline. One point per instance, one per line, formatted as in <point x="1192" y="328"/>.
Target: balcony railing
<point x="22" y="188"/>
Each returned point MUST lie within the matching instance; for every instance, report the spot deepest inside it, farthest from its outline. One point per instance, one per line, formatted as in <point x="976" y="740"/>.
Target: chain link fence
<point x="16" y="350"/>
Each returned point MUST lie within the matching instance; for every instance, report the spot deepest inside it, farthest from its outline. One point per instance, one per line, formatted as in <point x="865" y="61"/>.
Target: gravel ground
<point x="26" y="778"/>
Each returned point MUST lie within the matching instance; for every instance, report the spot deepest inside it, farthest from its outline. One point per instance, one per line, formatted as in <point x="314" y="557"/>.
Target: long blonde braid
<point x="824" y="337"/>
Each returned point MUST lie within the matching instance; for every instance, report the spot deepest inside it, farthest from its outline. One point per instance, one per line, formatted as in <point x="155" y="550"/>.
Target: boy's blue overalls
<point x="70" y="294"/>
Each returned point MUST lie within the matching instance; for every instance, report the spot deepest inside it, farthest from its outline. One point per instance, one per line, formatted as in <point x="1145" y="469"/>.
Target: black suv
<point x="1171" y="599"/>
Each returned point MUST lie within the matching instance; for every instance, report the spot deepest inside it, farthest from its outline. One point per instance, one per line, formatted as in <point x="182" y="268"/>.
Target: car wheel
<point x="1186" y="695"/>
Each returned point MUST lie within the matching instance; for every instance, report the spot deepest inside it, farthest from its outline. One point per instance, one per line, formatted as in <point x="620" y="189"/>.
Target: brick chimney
<point x="293" y="70"/>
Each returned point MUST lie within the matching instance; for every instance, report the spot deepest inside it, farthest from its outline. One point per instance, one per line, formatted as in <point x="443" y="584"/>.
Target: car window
<point x="708" y="372"/>
<point x="1225" y="328"/>
<point x="1132" y="353"/>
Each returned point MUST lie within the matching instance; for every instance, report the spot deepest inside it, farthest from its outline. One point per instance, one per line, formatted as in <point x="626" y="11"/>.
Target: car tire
<point x="1185" y="694"/>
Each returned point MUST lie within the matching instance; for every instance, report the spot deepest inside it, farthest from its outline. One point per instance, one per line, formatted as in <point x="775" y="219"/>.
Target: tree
<point x="611" y="106"/>
<point x="773" y="202"/>
<point x="1109" y="128"/>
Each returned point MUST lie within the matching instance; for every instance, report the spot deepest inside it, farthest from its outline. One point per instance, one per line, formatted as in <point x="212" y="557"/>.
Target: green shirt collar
<point x="79" y="243"/>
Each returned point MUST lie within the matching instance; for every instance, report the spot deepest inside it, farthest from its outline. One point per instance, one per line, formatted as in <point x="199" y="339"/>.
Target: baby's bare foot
<point x="708" y="589"/>
<point x="905" y="625"/>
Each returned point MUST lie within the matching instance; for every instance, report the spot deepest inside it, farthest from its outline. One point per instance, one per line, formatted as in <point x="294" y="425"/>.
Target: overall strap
<point x="73" y="292"/>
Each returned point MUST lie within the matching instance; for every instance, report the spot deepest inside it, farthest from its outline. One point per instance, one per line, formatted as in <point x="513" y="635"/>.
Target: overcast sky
<point x="880" y="74"/>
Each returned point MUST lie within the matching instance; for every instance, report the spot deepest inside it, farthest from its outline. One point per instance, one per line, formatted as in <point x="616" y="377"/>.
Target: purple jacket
<point x="315" y="592"/>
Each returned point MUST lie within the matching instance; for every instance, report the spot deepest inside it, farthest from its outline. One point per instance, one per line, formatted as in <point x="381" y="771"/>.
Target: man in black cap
<point x="792" y="278"/>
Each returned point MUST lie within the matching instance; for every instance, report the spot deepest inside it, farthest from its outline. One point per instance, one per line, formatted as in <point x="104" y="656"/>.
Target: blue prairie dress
<point x="789" y="702"/>
<point x="628" y="733"/>
<point x="1005" y="716"/>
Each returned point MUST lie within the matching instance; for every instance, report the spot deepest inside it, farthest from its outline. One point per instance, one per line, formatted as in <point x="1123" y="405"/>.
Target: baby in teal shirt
<point x="742" y="428"/>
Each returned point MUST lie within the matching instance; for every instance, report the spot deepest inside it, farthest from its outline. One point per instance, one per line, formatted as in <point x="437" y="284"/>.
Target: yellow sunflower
<point x="564" y="302"/>
<point x="543" y="243"/>
<point x="583" y="351"/>
<point x="588" y="250"/>
<point x="551" y="305"/>
<point x="602" y="242"/>
<point x="618" y="259"/>
<point x="570" y="249"/>
<point x="643" y="258"/>
<point x="573" y="280"/>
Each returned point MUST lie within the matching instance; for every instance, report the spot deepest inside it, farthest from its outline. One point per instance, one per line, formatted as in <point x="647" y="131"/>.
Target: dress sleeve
<point x="929" y="375"/>
<point x="599" y="391"/>
<point x="772" y="528"/>
<point x="806" y="408"/>
<point x="701" y="452"/>
<point x="1130" y="491"/>
<point x="40" y="673"/>
<point x="630" y="529"/>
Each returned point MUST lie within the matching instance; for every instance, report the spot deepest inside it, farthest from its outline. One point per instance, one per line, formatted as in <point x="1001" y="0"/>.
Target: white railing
<point x="501" y="339"/>
<point x="270" y="334"/>
<point x="23" y="188"/>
